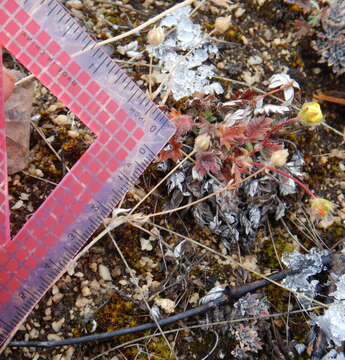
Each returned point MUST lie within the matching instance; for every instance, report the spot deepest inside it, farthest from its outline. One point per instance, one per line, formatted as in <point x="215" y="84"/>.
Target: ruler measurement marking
<point x="112" y="68"/>
<point x="105" y="58"/>
<point x="80" y="33"/>
<point x="119" y="78"/>
<point x="131" y="97"/>
<point x="52" y="9"/>
<point x="88" y="43"/>
<point x="150" y="108"/>
<point x="126" y="82"/>
<point x="62" y="17"/>
<point x="96" y="52"/>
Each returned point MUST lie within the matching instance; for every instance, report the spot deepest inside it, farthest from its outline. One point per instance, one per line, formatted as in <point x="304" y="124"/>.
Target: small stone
<point x="56" y="325"/>
<point x="69" y="353"/>
<point x="48" y="311"/>
<point x="55" y="290"/>
<point x="82" y="302"/>
<point x="71" y="268"/>
<point x="104" y="273"/>
<point x="57" y="298"/>
<point x="239" y="12"/>
<point x="62" y="120"/>
<point x="34" y="333"/>
<point x="75" y="4"/>
<point x="254" y="60"/>
<point x="146" y="244"/>
<point x="17" y="205"/>
<point x="73" y="133"/>
<point x="53" y="337"/>
<point x="85" y="291"/>
<point x="222" y="24"/>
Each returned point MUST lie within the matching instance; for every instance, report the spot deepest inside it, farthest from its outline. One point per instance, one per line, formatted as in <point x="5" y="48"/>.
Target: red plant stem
<point x="269" y="93"/>
<point x="273" y="169"/>
<point x="277" y="127"/>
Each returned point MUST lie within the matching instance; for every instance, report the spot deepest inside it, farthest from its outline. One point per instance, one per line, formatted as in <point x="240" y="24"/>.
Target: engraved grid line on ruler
<point x="30" y="256"/>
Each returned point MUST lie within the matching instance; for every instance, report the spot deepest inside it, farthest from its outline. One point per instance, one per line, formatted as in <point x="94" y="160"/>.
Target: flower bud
<point x="202" y="142"/>
<point x="310" y="114"/>
<point x="222" y="24"/>
<point x="155" y="36"/>
<point x="278" y="158"/>
<point x="321" y="207"/>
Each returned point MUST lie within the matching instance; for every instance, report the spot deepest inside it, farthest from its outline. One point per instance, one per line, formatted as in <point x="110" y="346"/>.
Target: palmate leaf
<point x="253" y="131"/>
<point x="206" y="162"/>
<point x="257" y="129"/>
<point x="184" y="123"/>
<point x="172" y="151"/>
<point x="230" y="135"/>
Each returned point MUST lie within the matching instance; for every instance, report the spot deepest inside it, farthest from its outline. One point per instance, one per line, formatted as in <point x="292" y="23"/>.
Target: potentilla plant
<point x="232" y="140"/>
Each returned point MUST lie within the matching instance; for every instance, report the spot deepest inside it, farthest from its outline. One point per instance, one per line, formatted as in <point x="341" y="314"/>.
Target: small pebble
<point x="239" y="12"/>
<point x="34" y="333"/>
<point x="254" y="60"/>
<point x="85" y="291"/>
<point x="104" y="273"/>
<point x="57" y="298"/>
<point x="62" y="120"/>
<point x="53" y="337"/>
<point x="56" y="325"/>
<point x="75" y="4"/>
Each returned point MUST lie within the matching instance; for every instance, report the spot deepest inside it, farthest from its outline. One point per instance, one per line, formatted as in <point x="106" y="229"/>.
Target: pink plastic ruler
<point x="130" y="131"/>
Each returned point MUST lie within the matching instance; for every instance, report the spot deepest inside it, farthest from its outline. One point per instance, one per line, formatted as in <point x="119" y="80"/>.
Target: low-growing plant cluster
<point x="326" y="20"/>
<point x="233" y="141"/>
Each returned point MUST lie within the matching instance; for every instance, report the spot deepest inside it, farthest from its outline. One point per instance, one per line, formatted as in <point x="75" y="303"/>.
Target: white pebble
<point x="62" y="120"/>
<point x="254" y="60"/>
<point x="75" y="4"/>
<point x="239" y="12"/>
<point x="104" y="273"/>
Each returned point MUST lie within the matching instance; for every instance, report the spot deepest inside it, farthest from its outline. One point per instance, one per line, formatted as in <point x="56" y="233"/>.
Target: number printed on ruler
<point x="130" y="131"/>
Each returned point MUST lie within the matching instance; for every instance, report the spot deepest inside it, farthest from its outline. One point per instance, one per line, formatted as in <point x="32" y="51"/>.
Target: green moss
<point x="268" y="257"/>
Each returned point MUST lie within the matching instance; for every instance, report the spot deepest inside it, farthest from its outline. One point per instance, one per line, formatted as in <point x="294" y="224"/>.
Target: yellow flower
<point x="321" y="207"/>
<point x="310" y="114"/>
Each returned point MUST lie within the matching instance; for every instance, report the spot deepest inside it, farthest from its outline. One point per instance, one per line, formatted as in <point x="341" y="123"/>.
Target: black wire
<point x="169" y="320"/>
<point x="229" y="295"/>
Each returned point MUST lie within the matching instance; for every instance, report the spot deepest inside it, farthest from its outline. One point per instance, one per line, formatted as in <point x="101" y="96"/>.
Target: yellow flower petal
<point x="310" y="114"/>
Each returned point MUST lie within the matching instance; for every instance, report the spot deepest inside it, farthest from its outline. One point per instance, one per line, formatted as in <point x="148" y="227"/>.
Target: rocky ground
<point x="97" y="294"/>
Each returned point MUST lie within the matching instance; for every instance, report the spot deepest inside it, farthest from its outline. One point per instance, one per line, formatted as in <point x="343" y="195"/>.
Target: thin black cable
<point x="229" y="295"/>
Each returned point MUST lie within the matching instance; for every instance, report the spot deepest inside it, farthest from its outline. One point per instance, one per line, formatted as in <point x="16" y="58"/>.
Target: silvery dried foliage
<point x="234" y="215"/>
<point x="253" y="305"/>
<point x="189" y="72"/>
<point x="247" y="340"/>
<point x="332" y="322"/>
<point x="331" y="42"/>
<point x="307" y="265"/>
<point x="334" y="355"/>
